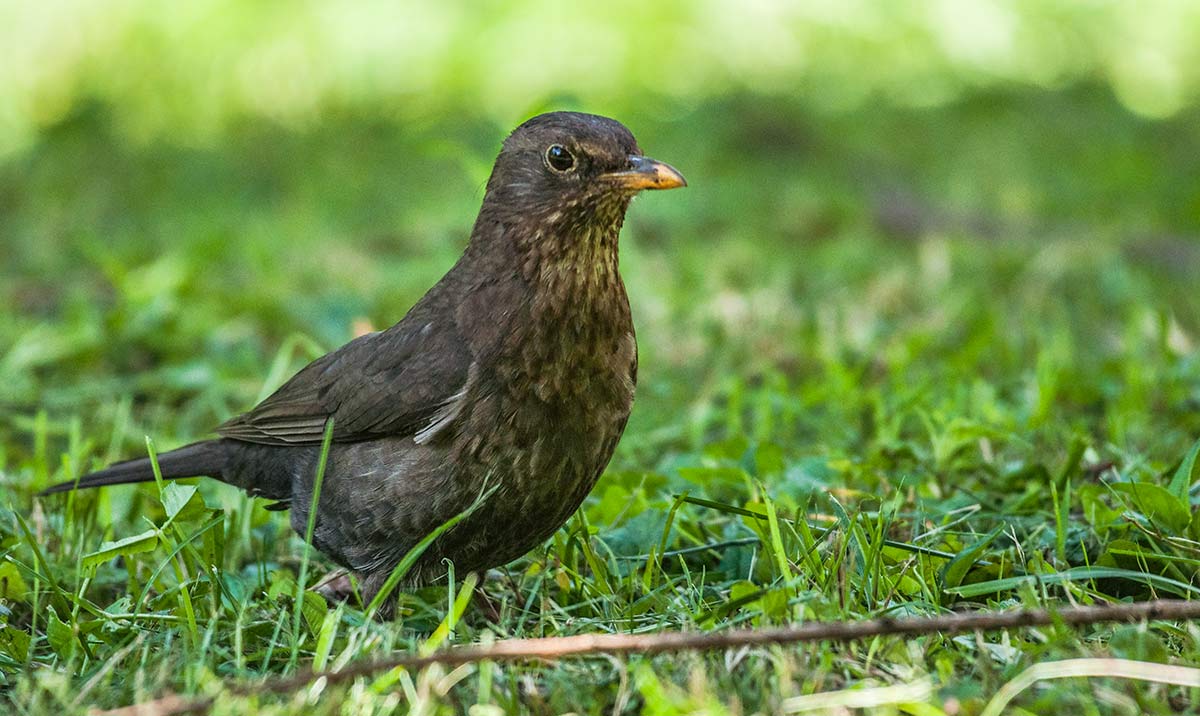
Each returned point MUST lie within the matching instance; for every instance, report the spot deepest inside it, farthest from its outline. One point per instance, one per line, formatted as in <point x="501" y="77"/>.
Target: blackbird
<point x="512" y="377"/>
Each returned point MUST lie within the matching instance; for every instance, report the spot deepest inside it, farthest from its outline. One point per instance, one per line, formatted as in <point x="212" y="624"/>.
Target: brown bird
<point x="512" y="377"/>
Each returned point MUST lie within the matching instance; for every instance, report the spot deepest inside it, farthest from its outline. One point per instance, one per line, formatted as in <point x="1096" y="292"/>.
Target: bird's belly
<point x="542" y="455"/>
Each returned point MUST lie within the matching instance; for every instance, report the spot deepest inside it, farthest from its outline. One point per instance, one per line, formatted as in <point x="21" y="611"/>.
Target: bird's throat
<point x="576" y="274"/>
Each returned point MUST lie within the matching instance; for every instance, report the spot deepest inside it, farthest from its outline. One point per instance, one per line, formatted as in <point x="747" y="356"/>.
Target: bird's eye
<point x="559" y="159"/>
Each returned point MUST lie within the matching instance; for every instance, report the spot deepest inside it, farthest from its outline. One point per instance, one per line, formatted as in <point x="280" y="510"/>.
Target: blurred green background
<point x="1002" y="191"/>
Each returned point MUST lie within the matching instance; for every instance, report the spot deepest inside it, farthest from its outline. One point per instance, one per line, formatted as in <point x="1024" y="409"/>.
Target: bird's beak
<point x="646" y="173"/>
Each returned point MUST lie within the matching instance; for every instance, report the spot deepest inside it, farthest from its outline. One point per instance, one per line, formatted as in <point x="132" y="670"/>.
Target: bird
<point x="498" y="399"/>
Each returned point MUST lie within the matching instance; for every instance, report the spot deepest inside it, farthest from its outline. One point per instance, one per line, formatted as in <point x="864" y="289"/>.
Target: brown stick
<point x="590" y="644"/>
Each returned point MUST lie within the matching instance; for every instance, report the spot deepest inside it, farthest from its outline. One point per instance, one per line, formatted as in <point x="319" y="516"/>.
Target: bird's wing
<point x="408" y="380"/>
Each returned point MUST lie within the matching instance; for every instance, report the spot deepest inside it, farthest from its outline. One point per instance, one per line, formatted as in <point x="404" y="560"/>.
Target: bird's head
<point x="567" y="173"/>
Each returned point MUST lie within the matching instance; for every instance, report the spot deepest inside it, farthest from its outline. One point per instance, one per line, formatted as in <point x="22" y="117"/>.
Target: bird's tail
<point x="202" y="458"/>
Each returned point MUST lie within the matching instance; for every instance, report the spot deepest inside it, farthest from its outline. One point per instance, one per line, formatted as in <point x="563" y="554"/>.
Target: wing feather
<point x="395" y="382"/>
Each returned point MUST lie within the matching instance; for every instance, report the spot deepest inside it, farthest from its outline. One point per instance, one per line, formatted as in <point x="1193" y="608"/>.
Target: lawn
<point x="898" y="361"/>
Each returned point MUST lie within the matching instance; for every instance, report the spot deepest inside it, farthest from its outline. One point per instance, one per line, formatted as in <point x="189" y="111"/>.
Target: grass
<point x="891" y="365"/>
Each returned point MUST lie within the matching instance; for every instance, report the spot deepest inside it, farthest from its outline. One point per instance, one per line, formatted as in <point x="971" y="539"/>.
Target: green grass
<point x="892" y="364"/>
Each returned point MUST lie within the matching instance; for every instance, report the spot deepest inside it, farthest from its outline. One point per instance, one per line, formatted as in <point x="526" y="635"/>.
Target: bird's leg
<point x="370" y="584"/>
<point x="487" y="605"/>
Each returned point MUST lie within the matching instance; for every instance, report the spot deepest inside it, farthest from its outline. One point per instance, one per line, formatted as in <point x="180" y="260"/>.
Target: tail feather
<point x="203" y="458"/>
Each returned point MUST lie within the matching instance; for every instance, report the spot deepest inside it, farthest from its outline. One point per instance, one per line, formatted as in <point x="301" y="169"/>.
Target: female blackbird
<point x="515" y="372"/>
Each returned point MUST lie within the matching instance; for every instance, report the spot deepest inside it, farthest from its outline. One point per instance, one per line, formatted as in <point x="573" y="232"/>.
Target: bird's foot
<point x="337" y="586"/>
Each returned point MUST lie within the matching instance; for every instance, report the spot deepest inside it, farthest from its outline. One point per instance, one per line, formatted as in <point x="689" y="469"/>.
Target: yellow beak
<point x="646" y="173"/>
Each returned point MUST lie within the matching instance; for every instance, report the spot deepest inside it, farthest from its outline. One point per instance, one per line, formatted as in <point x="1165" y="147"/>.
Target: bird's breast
<point x="561" y="389"/>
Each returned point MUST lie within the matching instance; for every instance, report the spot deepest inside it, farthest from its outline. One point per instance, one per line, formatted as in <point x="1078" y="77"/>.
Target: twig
<point x="595" y="644"/>
<point x="169" y="705"/>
